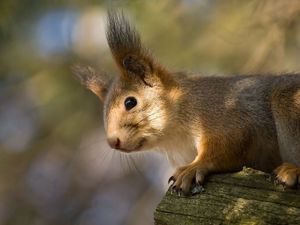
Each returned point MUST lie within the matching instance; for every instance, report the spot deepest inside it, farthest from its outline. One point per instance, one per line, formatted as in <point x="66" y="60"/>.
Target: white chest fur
<point x="180" y="148"/>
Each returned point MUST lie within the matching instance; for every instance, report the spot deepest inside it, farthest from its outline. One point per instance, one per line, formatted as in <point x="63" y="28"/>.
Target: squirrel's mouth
<point x="138" y="147"/>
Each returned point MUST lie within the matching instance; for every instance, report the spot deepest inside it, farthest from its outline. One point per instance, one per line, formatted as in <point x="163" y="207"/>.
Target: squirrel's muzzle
<point x="114" y="142"/>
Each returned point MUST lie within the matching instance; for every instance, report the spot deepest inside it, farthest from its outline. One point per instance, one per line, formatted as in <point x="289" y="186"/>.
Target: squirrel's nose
<point x="114" y="142"/>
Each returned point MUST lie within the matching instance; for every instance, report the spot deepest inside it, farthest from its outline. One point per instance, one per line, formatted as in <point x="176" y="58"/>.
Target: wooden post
<point x="246" y="197"/>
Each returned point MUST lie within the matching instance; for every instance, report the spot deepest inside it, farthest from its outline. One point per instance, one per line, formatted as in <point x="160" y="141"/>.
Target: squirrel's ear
<point x="126" y="47"/>
<point x="136" y="65"/>
<point x="130" y="55"/>
<point x="91" y="79"/>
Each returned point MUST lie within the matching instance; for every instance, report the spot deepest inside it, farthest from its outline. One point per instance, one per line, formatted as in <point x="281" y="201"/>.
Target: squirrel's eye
<point x="130" y="102"/>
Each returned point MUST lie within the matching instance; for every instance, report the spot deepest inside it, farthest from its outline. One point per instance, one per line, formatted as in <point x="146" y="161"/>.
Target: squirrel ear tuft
<point x="139" y="67"/>
<point x="126" y="47"/>
<point x="130" y="55"/>
<point x="135" y="65"/>
<point x="91" y="79"/>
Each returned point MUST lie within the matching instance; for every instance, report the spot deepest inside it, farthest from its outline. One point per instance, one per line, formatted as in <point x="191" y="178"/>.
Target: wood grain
<point x="246" y="197"/>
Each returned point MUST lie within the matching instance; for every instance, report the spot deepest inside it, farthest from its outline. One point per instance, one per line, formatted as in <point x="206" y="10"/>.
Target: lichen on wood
<point x="245" y="197"/>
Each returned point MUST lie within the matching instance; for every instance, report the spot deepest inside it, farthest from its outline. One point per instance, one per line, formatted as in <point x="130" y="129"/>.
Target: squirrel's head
<point x="139" y="102"/>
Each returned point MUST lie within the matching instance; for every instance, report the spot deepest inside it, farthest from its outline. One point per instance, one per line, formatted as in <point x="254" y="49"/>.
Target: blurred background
<point x="55" y="165"/>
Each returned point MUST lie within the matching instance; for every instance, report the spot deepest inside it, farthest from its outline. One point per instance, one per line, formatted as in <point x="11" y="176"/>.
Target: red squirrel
<point x="214" y="124"/>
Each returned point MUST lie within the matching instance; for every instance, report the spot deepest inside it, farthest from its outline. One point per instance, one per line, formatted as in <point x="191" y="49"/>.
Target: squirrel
<point x="212" y="124"/>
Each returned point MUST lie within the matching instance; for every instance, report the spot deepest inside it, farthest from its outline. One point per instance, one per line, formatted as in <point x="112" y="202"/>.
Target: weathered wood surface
<point x="246" y="197"/>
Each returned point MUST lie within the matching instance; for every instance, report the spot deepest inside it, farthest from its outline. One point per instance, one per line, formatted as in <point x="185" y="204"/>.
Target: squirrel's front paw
<point x="188" y="180"/>
<point x="288" y="174"/>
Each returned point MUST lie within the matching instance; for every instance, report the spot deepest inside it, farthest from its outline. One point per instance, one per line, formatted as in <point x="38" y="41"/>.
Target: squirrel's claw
<point x="171" y="179"/>
<point x="188" y="180"/>
<point x="175" y="190"/>
<point x="195" y="189"/>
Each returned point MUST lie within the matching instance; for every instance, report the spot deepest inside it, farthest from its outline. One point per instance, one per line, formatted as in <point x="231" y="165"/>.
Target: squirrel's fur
<point x="211" y="124"/>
